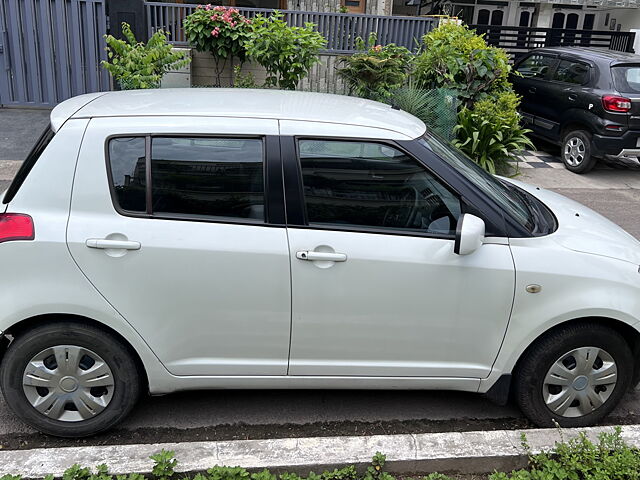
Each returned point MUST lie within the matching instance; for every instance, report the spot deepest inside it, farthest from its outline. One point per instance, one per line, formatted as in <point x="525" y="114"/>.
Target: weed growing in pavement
<point x="165" y="465"/>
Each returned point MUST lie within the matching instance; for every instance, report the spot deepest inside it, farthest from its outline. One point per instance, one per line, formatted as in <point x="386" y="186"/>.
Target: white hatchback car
<point x="156" y="241"/>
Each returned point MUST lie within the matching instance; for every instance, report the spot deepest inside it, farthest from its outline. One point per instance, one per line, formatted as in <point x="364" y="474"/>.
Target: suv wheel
<point x="69" y="380"/>
<point x="576" y="151"/>
<point x="574" y="376"/>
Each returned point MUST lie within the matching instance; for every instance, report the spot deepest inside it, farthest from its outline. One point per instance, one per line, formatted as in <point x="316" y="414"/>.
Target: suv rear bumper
<point x="625" y="145"/>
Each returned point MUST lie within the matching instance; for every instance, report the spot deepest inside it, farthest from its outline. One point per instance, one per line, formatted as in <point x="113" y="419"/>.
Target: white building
<point x="610" y="15"/>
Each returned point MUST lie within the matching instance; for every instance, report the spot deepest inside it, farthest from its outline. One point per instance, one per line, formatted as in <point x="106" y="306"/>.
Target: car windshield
<point x="626" y="78"/>
<point x="509" y="198"/>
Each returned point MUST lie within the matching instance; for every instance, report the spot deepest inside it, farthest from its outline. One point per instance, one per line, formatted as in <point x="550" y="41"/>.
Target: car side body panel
<point x="60" y="288"/>
<point x="589" y="288"/>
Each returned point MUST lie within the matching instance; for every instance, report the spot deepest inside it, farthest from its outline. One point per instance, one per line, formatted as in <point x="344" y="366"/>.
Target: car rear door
<point x="569" y="91"/>
<point x="178" y="223"/>
<point x="377" y="288"/>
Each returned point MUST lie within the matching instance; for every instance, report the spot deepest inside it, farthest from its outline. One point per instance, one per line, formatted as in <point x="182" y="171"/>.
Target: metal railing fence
<point x="340" y="29"/>
<point x="519" y="40"/>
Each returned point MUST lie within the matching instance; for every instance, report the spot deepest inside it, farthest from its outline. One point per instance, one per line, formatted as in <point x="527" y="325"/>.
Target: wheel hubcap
<point x="68" y="383"/>
<point x="580" y="381"/>
<point x="574" y="151"/>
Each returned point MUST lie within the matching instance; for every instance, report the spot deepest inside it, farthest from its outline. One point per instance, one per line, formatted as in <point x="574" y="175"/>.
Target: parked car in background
<point x="156" y="241"/>
<point x="585" y="99"/>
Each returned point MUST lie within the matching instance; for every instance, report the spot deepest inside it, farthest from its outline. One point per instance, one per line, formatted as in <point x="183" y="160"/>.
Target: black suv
<point x="587" y="100"/>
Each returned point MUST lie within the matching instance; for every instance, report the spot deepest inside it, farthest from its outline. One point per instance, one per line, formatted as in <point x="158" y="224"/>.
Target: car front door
<point x="172" y="222"/>
<point x="377" y="288"/>
<point x="531" y="83"/>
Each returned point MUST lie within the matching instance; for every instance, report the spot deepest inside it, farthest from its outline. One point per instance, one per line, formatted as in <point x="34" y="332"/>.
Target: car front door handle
<point x="532" y="89"/>
<point x="106" y="244"/>
<point x="573" y="97"/>
<point x="312" y="256"/>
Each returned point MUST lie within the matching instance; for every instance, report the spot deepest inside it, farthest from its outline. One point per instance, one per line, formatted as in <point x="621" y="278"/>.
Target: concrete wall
<point x="314" y="5"/>
<point x="372" y="7"/>
<point x="322" y="78"/>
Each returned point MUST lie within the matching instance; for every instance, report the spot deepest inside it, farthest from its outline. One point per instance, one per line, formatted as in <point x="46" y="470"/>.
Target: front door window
<point x="373" y="185"/>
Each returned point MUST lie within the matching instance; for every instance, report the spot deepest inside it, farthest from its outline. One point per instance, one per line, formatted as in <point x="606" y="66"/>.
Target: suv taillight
<point x="16" y="226"/>
<point x="612" y="103"/>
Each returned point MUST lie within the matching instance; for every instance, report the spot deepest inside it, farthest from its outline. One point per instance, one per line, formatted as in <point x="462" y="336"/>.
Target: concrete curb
<point x="461" y="452"/>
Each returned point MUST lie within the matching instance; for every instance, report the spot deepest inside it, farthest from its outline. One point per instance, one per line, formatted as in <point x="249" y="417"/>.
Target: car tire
<point x="69" y="379"/>
<point x="576" y="151"/>
<point x="563" y="395"/>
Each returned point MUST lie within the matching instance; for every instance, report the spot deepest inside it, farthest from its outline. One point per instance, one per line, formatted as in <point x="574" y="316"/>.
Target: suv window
<point x="190" y="176"/>
<point x="367" y="184"/>
<point x="536" y="66"/>
<point x="572" y="72"/>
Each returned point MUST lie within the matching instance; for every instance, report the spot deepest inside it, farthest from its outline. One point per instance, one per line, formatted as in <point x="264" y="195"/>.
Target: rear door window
<point x="536" y="66"/>
<point x="627" y="78"/>
<point x="195" y="177"/>
<point x="569" y="71"/>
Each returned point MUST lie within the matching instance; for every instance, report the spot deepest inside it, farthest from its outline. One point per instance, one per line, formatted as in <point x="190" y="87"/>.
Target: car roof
<point x="239" y="103"/>
<point x="602" y="54"/>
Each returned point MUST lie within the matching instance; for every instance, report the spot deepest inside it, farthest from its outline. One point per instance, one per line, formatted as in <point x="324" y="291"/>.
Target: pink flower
<point x="219" y="8"/>
<point x="378" y="48"/>
<point x="215" y="32"/>
<point x="207" y="7"/>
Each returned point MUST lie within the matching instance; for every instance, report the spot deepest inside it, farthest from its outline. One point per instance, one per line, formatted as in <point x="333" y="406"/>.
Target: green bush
<point x="437" y="108"/>
<point x="455" y="57"/>
<point x="287" y="53"/>
<point x="490" y="131"/>
<point x="221" y="31"/>
<point x="375" y="70"/>
<point x="136" y="65"/>
<point x="580" y="459"/>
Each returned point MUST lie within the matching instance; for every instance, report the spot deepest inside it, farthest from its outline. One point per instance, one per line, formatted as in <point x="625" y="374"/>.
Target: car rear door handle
<point x="532" y="89"/>
<point x="312" y="256"/>
<point x="573" y="97"/>
<point x="106" y="244"/>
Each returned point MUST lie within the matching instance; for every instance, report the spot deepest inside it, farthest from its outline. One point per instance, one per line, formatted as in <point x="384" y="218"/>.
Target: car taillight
<point x="16" y="226"/>
<point x="612" y="103"/>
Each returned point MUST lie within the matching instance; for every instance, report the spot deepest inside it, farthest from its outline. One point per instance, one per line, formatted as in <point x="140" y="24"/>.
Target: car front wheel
<point x="575" y="376"/>
<point x="576" y="151"/>
<point x="69" y="379"/>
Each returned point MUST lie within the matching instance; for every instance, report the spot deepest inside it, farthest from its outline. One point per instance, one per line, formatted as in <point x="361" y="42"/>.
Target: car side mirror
<point x="469" y="234"/>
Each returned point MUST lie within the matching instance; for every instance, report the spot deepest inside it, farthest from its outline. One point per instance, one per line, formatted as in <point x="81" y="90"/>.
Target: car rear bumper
<point x="625" y="145"/>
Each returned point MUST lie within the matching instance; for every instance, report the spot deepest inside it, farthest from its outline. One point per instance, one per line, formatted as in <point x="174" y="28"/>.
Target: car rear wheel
<point x="69" y="379"/>
<point x="574" y="376"/>
<point x="576" y="151"/>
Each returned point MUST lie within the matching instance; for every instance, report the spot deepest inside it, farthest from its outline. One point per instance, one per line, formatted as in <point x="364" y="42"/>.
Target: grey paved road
<point x="245" y="414"/>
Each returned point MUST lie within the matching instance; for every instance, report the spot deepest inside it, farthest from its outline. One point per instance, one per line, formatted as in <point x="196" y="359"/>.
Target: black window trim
<point x="295" y="189"/>
<point x="34" y="154"/>
<point x="272" y="187"/>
